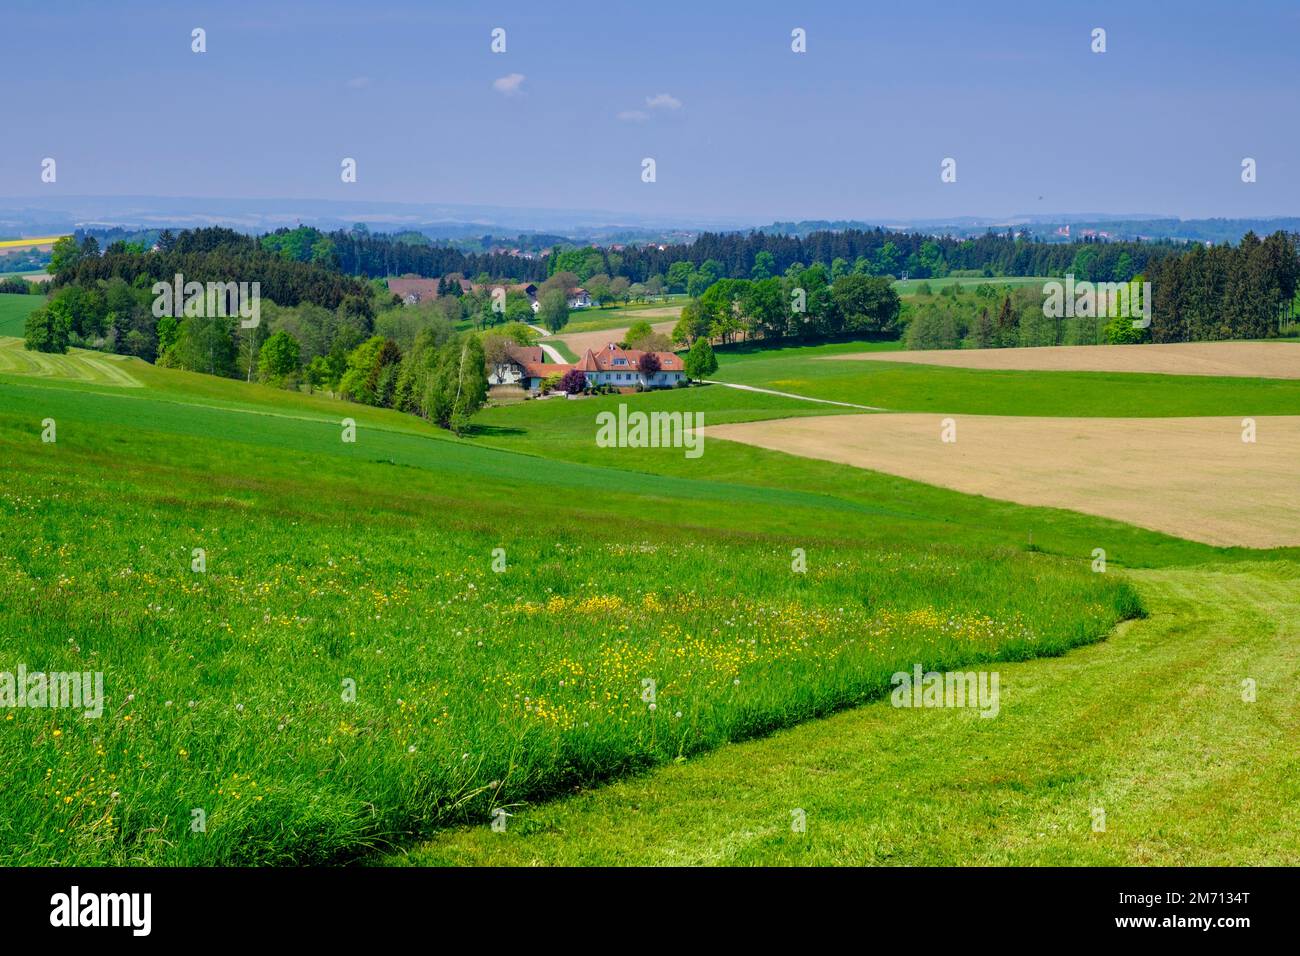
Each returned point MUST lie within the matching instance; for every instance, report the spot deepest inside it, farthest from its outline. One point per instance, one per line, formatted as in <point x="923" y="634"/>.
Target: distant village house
<point x="413" y="290"/>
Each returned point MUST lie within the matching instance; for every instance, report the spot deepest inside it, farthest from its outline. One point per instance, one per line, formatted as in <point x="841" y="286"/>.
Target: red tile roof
<point x="525" y="354"/>
<point x="603" y="361"/>
<point x="527" y="288"/>
<point x="421" y="288"/>
<point x="544" y="369"/>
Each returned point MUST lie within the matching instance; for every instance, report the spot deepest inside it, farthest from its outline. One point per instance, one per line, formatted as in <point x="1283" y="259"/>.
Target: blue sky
<point x="854" y="128"/>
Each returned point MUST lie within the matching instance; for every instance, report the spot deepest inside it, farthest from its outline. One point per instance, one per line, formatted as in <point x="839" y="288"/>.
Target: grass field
<point x="1148" y="727"/>
<point x="14" y="310"/>
<point x="80" y="365"/>
<point x="908" y="287"/>
<point x="372" y="562"/>
<point x="562" y="347"/>
<point x="902" y="386"/>
<point x="480" y="690"/>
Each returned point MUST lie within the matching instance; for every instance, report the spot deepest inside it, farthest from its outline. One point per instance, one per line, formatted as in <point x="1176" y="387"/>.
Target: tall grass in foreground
<point x="475" y="690"/>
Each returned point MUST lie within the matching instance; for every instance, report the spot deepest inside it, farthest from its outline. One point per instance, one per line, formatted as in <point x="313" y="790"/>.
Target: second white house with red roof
<point x="628" y="368"/>
<point x="620" y="368"/>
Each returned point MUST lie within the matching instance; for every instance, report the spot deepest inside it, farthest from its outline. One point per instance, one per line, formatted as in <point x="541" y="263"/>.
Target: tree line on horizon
<point x="713" y="256"/>
<point x="1247" y="291"/>
<point x="879" y="252"/>
<point x="326" y="323"/>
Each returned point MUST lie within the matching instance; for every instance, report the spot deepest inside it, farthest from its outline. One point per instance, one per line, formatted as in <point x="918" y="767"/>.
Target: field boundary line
<point x="805" y="398"/>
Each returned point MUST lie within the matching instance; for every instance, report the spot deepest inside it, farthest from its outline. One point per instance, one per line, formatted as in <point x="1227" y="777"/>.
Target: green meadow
<point x="328" y="651"/>
<point x="1152" y="729"/>
<point x="560" y="346"/>
<point x="904" y="387"/>
<point x="14" y="310"/>
<point x="908" y="287"/>
<point x="322" y="649"/>
<point x="76" y="365"/>
<point x="1147" y="734"/>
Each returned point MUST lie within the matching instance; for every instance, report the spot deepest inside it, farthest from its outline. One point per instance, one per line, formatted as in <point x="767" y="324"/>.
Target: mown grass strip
<point x="1149" y="728"/>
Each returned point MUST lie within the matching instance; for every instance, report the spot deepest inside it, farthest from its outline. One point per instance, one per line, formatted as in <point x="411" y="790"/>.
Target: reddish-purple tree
<point x="573" y="381"/>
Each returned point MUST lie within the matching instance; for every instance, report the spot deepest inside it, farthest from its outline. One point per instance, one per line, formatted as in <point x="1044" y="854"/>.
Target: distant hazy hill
<point x="436" y="220"/>
<point x="461" y="223"/>
<point x="1051" y="228"/>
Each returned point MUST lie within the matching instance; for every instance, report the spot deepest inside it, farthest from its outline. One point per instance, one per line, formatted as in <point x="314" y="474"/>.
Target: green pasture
<point x="328" y="566"/>
<point x="1138" y="751"/>
<point x="905" y="387"/>
<point x="14" y="310"/>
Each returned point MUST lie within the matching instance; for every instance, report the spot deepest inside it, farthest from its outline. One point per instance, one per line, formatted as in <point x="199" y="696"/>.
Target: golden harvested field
<point x="581" y="341"/>
<point x="1236" y="359"/>
<point x="1191" y="477"/>
<point x="659" y="312"/>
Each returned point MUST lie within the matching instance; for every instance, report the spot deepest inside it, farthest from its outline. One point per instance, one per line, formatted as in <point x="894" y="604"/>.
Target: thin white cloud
<point x="634" y="116"/>
<point x="663" y="101"/>
<point x="509" y="84"/>
<point x="358" y="82"/>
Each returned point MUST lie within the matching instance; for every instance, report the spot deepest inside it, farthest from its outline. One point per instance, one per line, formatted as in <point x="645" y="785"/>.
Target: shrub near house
<point x="573" y="381"/>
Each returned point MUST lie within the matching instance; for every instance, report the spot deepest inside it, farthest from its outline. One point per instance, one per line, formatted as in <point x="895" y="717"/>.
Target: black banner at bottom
<point x="338" y="905"/>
